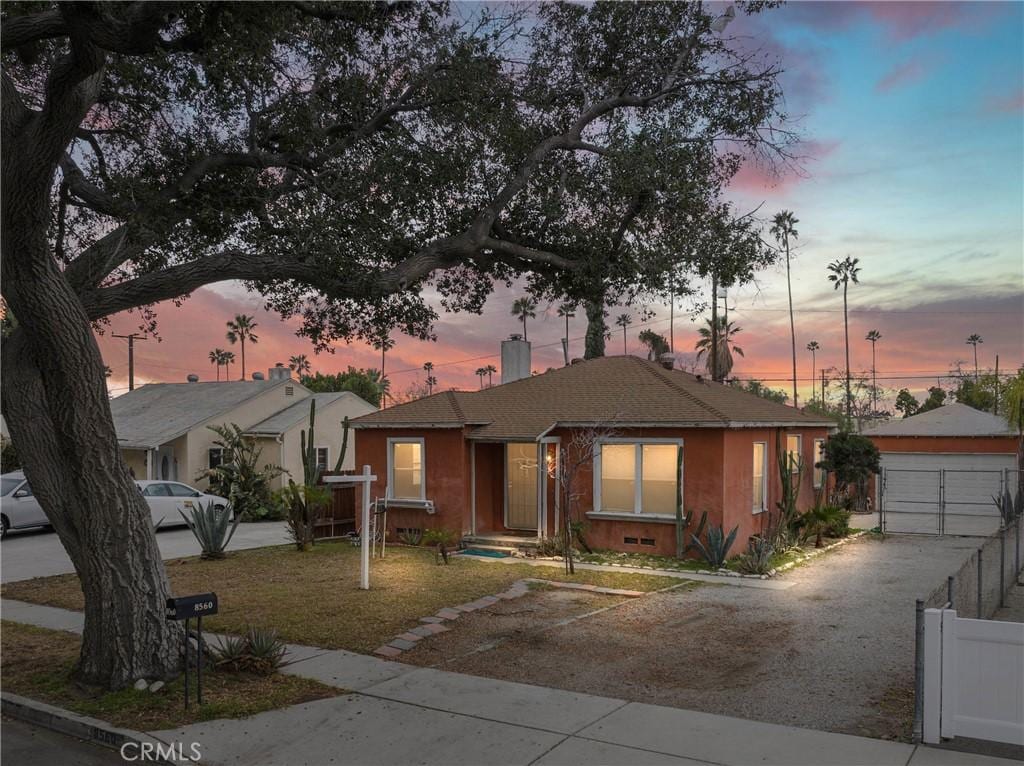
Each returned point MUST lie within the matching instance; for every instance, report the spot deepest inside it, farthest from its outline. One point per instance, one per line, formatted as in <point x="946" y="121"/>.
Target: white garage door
<point x="942" y="493"/>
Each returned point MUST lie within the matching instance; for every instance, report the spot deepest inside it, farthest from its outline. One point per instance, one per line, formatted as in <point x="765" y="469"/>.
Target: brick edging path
<point x="435" y="623"/>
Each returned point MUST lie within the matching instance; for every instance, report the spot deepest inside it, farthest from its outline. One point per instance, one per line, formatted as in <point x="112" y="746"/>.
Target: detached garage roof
<point x="949" y="420"/>
<point x="613" y="391"/>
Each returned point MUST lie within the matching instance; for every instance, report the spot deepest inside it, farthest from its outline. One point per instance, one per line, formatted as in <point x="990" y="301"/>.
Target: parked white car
<point x="166" y="498"/>
<point x="19" y="508"/>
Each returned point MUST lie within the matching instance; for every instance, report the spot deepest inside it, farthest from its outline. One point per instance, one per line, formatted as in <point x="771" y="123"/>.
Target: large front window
<point x="406" y="460"/>
<point x="637" y="477"/>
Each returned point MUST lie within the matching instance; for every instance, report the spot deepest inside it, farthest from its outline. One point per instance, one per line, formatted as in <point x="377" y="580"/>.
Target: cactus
<point x="310" y="470"/>
<point x="345" y="425"/>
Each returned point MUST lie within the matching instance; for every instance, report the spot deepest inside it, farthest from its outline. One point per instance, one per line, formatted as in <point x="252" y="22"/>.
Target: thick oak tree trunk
<point x="55" y="402"/>
<point x="594" y="343"/>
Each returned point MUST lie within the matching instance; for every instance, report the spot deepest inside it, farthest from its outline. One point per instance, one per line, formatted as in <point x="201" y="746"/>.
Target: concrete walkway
<point x="39" y="553"/>
<point x="401" y="714"/>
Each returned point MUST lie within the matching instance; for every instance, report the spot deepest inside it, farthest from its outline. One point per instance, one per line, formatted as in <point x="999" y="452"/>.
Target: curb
<point x="90" y="729"/>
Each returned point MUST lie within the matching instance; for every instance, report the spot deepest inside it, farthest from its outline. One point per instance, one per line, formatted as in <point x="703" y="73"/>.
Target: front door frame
<point x="505" y="480"/>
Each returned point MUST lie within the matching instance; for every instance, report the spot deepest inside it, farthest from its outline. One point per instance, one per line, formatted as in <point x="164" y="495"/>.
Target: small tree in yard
<point x="852" y="459"/>
<point x="575" y="458"/>
<point x="239" y="477"/>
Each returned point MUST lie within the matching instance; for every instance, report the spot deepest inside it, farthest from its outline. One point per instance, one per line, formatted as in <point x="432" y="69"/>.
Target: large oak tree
<point x="339" y="158"/>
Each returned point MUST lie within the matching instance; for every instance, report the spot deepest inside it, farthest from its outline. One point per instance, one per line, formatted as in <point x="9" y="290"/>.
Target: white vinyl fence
<point x="973" y="678"/>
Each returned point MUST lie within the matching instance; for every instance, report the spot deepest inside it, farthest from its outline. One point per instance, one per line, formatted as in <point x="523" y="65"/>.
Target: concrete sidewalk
<point x="402" y="714"/>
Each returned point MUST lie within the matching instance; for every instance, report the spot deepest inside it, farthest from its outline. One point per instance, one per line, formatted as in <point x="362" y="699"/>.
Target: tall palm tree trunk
<point x="874" y="381"/>
<point x="813" y="377"/>
<point x="975" y="363"/>
<point x="242" y="339"/>
<point x="792" y="325"/>
<point x="524" y="328"/>
<point x="846" y="332"/>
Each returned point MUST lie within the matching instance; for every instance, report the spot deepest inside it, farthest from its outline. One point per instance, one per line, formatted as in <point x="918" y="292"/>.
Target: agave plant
<point x="260" y="651"/>
<point x="1010" y="507"/>
<point x="758" y="558"/>
<point x="213" y="528"/>
<point x="715" y="551"/>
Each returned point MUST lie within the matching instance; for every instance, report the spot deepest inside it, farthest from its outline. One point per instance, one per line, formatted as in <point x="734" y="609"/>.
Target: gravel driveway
<point x="834" y="652"/>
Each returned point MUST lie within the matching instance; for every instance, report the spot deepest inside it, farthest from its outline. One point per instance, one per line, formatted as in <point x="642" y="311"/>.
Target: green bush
<point x="259" y="651"/>
<point x="758" y="558"/>
<point x="239" y="477"/>
<point x="443" y="540"/>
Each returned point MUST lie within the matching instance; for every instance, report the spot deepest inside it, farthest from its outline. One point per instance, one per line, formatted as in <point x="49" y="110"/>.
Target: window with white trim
<point x="760" y="474"/>
<point x="793" y="452"/>
<point x="819" y="455"/>
<point x="405" y="469"/>
<point x="637" y="477"/>
<point x="323" y="456"/>
<point x="216" y="457"/>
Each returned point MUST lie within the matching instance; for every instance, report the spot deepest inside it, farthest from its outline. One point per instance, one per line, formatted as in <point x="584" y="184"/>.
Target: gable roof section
<point x="157" y="413"/>
<point x="616" y="390"/>
<point x="949" y="420"/>
<point x="297" y="413"/>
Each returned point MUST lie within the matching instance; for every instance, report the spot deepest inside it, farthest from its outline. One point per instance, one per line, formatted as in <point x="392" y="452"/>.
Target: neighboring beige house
<point x="163" y="428"/>
<point x="280" y="435"/>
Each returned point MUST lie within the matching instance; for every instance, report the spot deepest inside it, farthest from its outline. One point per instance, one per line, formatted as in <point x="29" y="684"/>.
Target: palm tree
<point x="842" y="273"/>
<point x="227" y="357"/>
<point x="624" y="321"/>
<point x="214" y="358"/>
<point x="428" y="367"/>
<point x="300" y="365"/>
<point x="873" y="337"/>
<point x="813" y="347"/>
<point x="523" y="309"/>
<point x="240" y="330"/>
<point x="481" y="372"/>
<point x="974" y="340"/>
<point x="490" y="370"/>
<point x="568" y="311"/>
<point x="383" y="344"/>
<point x="724" y="345"/>
<point x="783" y="229"/>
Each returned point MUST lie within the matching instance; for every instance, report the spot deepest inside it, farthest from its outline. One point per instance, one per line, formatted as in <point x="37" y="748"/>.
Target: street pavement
<point x="22" y="744"/>
<point x="39" y="553"/>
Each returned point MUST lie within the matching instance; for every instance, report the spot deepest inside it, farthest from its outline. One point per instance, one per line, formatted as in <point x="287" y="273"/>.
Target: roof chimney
<point x="577" y="360"/>
<point x="257" y="376"/>
<point x="192" y="378"/>
<point x="515" y="359"/>
<point x="668" y="361"/>
<point x="279" y="372"/>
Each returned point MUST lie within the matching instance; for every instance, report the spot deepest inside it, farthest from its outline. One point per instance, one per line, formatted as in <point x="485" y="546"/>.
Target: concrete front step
<point x="502" y="543"/>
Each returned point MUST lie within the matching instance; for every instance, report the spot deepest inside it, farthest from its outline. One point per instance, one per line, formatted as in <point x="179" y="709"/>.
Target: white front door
<point x="521" y="486"/>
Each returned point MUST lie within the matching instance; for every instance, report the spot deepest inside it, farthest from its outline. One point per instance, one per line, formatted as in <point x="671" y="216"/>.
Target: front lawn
<point x="37" y="663"/>
<point x="314" y="598"/>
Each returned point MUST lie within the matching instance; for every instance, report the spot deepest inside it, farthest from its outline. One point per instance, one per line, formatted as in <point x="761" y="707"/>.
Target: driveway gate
<point x="942" y="501"/>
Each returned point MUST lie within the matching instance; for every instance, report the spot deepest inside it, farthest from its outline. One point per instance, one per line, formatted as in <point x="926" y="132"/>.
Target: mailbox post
<point x="186" y="608"/>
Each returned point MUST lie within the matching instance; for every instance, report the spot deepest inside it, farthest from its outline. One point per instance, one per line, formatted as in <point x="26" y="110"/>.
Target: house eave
<point x="358" y="425"/>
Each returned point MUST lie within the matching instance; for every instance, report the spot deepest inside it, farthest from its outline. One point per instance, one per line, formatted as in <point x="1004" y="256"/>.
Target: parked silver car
<point x="166" y="498"/>
<point x="19" y="508"/>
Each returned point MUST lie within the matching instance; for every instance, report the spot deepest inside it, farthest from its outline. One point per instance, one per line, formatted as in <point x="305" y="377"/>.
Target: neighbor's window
<point x="819" y="455"/>
<point x="407" y="469"/>
<point x="216" y="457"/>
<point x="322" y="454"/>
<point x="760" y="476"/>
<point x="655" y="464"/>
<point x="793" y="452"/>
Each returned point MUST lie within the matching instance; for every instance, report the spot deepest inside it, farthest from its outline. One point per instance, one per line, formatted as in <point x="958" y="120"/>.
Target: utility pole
<point x="131" y="355"/>
<point x="995" y="407"/>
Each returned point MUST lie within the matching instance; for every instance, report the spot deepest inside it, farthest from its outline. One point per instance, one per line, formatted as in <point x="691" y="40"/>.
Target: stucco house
<point x="163" y="428"/>
<point x="490" y="462"/>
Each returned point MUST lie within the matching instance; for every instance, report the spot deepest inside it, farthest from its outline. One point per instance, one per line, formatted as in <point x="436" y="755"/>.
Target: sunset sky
<point x="914" y="142"/>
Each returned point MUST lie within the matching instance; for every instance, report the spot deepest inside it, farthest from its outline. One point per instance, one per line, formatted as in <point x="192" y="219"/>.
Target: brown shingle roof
<point x="614" y="390"/>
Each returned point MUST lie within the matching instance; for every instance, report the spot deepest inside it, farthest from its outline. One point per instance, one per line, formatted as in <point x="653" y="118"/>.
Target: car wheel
<point x="4" y="526"/>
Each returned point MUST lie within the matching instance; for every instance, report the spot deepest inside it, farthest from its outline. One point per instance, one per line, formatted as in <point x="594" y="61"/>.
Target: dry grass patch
<point x="314" y="598"/>
<point x="37" y="663"/>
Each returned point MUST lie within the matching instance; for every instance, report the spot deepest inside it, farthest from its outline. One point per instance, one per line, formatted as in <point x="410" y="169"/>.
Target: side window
<point x="793" y="451"/>
<point x="156" y="490"/>
<point x="181" y="490"/>
<point x="25" y="489"/>
<point x="322" y="456"/>
<point x="216" y="457"/>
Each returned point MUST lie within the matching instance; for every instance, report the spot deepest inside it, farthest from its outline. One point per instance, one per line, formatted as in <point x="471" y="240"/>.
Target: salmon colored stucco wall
<point x="717" y="478"/>
<point x="446" y="466"/>
<point x="975" y="444"/>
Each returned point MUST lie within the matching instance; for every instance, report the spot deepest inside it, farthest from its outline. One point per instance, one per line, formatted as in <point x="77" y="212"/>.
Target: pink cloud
<point x="899" y="21"/>
<point x="1010" y="103"/>
<point x="903" y="74"/>
<point x="755" y="178"/>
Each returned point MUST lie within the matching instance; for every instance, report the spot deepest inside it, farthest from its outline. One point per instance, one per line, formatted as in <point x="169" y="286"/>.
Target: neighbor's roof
<point x="612" y="391"/>
<point x="948" y="420"/>
<point x="156" y="413"/>
<point x="298" y="413"/>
